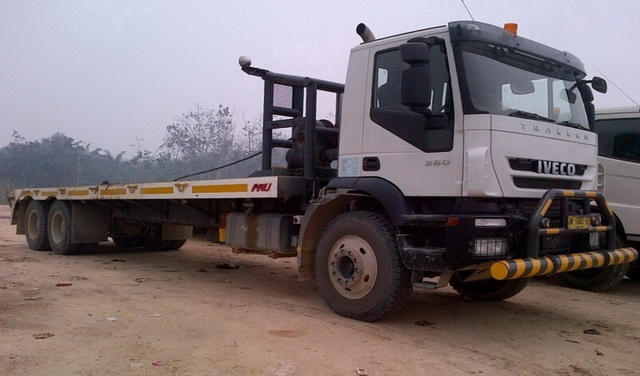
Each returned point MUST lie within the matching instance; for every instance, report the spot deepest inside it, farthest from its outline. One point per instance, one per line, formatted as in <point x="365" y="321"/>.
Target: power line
<point x="468" y="11"/>
<point x="617" y="87"/>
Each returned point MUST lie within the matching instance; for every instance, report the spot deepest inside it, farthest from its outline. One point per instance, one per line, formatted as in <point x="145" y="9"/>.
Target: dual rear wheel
<point x="48" y="227"/>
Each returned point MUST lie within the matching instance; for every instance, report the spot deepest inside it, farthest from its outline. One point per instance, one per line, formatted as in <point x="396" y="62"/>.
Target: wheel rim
<point x="58" y="228"/>
<point x="352" y="267"/>
<point x="33" y="225"/>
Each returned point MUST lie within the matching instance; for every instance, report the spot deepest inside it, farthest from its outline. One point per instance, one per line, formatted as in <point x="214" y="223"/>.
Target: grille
<point x="536" y="183"/>
<point x="520" y="164"/>
<point x="283" y="96"/>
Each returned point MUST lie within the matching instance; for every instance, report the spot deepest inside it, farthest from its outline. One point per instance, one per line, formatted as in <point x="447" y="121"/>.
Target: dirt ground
<point x="203" y="310"/>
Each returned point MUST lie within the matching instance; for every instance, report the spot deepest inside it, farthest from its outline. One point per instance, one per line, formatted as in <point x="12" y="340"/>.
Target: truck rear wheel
<point x="35" y="225"/>
<point x="358" y="268"/>
<point x="60" y="229"/>
<point x="490" y="289"/>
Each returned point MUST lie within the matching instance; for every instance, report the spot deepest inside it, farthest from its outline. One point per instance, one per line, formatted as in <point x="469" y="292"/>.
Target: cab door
<point x="401" y="144"/>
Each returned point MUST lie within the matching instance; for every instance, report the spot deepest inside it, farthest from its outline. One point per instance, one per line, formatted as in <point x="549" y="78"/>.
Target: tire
<point x="155" y="244"/>
<point x="358" y="268"/>
<point x="127" y="242"/>
<point x="594" y="280"/>
<point x="489" y="290"/>
<point x="60" y="229"/>
<point x="634" y="271"/>
<point x="36" y="225"/>
<point x="598" y="279"/>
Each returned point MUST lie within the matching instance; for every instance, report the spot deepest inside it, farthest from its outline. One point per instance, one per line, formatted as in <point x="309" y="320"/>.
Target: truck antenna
<point x="618" y="87"/>
<point x="468" y="11"/>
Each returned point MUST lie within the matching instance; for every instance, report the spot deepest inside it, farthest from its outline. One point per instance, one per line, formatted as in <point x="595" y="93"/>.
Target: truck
<point x="618" y="130"/>
<point x="460" y="155"/>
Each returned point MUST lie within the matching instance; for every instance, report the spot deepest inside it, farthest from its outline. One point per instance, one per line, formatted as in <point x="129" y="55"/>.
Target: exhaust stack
<point x="365" y="33"/>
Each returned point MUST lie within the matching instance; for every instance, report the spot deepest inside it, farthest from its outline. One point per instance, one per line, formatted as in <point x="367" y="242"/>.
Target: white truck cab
<point x="502" y="115"/>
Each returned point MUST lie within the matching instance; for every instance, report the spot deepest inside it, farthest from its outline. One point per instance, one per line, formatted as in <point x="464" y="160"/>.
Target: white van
<point x="619" y="170"/>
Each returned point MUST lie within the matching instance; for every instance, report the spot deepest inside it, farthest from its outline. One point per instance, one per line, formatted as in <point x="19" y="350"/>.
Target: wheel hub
<point x="352" y="267"/>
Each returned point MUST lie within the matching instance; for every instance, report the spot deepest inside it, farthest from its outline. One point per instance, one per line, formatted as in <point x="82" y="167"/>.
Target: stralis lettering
<point x="556" y="168"/>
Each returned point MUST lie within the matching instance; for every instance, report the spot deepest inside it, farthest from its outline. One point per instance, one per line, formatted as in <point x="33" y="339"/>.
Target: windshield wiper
<point x="571" y="124"/>
<point x="530" y="115"/>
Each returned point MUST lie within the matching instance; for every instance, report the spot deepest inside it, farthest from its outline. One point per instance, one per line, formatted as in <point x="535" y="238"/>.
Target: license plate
<point x="578" y="222"/>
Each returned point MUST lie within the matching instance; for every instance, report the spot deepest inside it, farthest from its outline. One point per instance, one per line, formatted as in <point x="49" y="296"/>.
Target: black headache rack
<point x="564" y="223"/>
<point x="293" y="99"/>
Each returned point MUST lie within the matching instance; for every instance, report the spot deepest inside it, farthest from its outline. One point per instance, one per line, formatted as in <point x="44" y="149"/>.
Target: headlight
<point x="488" y="247"/>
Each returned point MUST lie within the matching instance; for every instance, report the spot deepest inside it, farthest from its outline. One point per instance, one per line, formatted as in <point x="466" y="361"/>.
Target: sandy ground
<point x="133" y="312"/>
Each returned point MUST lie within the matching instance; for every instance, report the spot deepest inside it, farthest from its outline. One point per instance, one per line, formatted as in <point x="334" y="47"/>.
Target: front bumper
<point x="533" y="267"/>
<point x="542" y="242"/>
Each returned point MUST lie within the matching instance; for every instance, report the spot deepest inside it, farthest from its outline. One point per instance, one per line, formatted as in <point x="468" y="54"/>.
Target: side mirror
<point x="522" y="87"/>
<point x="599" y="84"/>
<point x="415" y="53"/>
<point x="568" y="95"/>
<point x="437" y="122"/>
<point x="416" y="80"/>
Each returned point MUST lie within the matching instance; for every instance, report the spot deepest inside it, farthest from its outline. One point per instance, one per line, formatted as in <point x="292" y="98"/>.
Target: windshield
<point x="504" y="81"/>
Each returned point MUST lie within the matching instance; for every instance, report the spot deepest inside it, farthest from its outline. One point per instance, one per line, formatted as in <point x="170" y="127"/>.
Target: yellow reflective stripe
<point x="220" y="188"/>
<point x="79" y="192"/>
<point x="600" y="228"/>
<point x="156" y="190"/>
<point x="600" y="258"/>
<point x="546" y="206"/>
<point x="564" y="263"/>
<point x="591" y="194"/>
<point x="499" y="270"/>
<point x="552" y="231"/>
<point x="535" y="268"/>
<point x="633" y="254"/>
<point x="113" y="191"/>
<point x="549" y="267"/>
<point x="520" y="266"/>
<point x="49" y="193"/>
<point x="577" y="261"/>
<point x="568" y="193"/>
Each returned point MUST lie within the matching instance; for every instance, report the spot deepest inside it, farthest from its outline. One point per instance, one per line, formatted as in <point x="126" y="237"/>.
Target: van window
<point x="619" y="138"/>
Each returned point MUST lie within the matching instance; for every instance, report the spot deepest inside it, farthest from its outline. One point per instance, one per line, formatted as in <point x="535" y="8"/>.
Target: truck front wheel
<point x="490" y="289"/>
<point x="358" y="268"/>
<point x="35" y="225"/>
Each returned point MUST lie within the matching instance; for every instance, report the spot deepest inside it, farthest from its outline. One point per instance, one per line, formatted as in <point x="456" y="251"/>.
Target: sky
<point x="115" y="73"/>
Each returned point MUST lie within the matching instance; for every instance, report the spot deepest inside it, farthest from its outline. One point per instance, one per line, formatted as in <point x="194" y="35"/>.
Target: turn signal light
<point x="511" y="28"/>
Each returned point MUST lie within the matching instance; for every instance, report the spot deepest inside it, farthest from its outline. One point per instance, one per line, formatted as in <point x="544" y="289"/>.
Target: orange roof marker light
<point x="511" y="28"/>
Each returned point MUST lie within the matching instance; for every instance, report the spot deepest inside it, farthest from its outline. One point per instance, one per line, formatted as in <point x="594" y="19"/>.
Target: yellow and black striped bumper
<point x="528" y="267"/>
<point x="532" y="267"/>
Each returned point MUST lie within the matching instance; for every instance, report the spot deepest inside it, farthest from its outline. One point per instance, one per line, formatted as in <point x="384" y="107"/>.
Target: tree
<point x="200" y="135"/>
